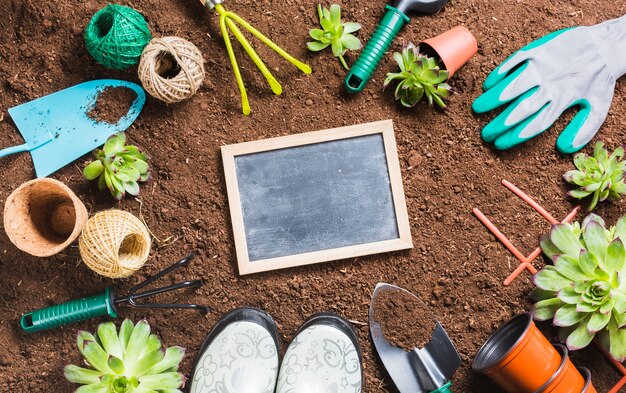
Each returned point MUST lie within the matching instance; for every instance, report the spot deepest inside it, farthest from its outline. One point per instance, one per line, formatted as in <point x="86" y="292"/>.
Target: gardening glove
<point x="575" y="67"/>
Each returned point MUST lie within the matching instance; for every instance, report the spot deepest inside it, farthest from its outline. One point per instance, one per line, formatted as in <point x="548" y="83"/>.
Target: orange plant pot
<point x="588" y="385"/>
<point x="567" y="379"/>
<point x="518" y="357"/>
<point x="454" y="47"/>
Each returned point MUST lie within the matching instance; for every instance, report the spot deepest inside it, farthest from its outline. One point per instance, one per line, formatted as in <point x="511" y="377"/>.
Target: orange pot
<point x="518" y="357"/>
<point x="454" y="47"/>
<point x="588" y="385"/>
<point x="566" y="379"/>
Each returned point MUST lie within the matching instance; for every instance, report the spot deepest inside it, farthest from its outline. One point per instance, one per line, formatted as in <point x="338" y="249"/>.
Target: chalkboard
<point x="315" y="197"/>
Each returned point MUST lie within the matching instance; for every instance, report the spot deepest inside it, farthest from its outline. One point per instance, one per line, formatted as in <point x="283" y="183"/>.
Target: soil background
<point x="456" y="266"/>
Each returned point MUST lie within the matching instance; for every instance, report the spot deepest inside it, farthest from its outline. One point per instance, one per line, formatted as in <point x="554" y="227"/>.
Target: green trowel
<point x="422" y="370"/>
<point x="394" y="19"/>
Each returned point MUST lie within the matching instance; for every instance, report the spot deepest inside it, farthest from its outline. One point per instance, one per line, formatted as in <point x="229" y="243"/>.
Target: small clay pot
<point x="518" y="357"/>
<point x="588" y="385"/>
<point x="566" y="379"/>
<point x="43" y="216"/>
<point x="454" y="47"/>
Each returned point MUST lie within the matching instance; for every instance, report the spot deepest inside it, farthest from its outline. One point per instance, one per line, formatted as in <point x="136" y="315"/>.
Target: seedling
<point x="601" y="175"/>
<point x="131" y="361"/>
<point x="336" y="34"/>
<point x="584" y="292"/>
<point x="118" y="167"/>
<point x="420" y="75"/>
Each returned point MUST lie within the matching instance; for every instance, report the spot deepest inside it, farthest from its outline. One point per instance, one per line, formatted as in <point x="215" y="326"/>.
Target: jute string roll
<point x="115" y="243"/>
<point x="171" y="69"/>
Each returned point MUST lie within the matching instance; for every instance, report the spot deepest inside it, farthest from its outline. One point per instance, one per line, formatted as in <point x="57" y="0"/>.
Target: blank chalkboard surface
<point x="316" y="197"/>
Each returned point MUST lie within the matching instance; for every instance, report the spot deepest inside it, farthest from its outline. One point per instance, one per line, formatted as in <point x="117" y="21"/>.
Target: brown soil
<point x="112" y="104"/>
<point x="405" y="321"/>
<point x="456" y="267"/>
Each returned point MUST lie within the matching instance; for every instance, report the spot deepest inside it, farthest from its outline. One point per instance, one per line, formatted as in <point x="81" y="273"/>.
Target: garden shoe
<point x="324" y="357"/>
<point x="239" y="355"/>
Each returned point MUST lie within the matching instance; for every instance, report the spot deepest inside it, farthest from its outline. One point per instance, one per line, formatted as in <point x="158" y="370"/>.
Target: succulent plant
<point x="336" y="34"/>
<point x="584" y="291"/>
<point x="129" y="362"/>
<point x="118" y="167"/>
<point x="419" y="76"/>
<point x="601" y="175"/>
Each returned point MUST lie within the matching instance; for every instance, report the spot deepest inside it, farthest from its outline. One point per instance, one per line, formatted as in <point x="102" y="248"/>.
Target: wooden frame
<point x="230" y="152"/>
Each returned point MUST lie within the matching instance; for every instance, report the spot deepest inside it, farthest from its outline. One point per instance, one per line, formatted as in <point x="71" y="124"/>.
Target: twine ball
<point x="116" y="36"/>
<point x="114" y="243"/>
<point x="171" y="69"/>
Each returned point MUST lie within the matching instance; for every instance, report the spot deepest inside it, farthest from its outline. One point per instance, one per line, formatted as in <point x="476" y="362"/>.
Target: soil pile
<point x="112" y="104"/>
<point x="405" y="320"/>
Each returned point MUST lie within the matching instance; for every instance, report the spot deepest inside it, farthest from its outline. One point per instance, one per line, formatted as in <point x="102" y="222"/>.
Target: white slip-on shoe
<point x="324" y="357"/>
<point x="239" y="355"/>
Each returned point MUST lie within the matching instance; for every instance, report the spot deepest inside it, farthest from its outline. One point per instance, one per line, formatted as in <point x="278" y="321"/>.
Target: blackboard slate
<point x="316" y="197"/>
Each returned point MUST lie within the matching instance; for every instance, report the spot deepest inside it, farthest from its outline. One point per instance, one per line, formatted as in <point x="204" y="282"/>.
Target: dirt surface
<point x="457" y="267"/>
<point x="112" y="104"/>
<point x="405" y="322"/>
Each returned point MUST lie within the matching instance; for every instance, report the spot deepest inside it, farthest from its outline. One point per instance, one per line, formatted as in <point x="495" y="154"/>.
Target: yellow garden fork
<point x="229" y="20"/>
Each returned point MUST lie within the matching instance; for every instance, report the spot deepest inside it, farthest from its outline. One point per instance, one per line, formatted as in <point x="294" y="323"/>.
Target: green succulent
<point x="584" y="291"/>
<point x="129" y="362"/>
<point x="336" y="34"/>
<point x="419" y="76"/>
<point x="601" y="175"/>
<point x="118" y="167"/>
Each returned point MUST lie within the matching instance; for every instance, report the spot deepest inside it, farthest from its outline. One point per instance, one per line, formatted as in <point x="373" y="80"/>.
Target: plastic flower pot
<point x="588" y="385"/>
<point x="43" y="216"/>
<point x="454" y="47"/>
<point x="567" y="379"/>
<point x="518" y="357"/>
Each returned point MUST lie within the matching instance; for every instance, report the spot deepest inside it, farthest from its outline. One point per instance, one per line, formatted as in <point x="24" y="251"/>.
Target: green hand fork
<point x="394" y="19"/>
<point x="106" y="303"/>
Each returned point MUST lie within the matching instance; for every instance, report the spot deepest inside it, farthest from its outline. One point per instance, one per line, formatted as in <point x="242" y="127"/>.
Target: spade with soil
<point x="107" y="302"/>
<point x="394" y="19"/>
<point x="57" y="128"/>
<point x="414" y="348"/>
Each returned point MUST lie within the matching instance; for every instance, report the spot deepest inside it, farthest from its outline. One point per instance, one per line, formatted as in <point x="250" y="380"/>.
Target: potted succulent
<point x="584" y="291"/>
<point x="599" y="176"/>
<point x="118" y="167"/>
<point x="131" y="361"/>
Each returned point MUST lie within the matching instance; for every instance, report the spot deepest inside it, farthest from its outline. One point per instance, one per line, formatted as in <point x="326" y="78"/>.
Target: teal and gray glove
<point x="576" y="67"/>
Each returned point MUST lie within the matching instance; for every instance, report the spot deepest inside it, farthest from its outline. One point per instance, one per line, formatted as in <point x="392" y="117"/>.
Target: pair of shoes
<point x="240" y="355"/>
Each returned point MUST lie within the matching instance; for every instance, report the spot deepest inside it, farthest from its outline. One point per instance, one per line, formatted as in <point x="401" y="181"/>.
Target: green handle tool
<point x="106" y="303"/>
<point x="392" y="22"/>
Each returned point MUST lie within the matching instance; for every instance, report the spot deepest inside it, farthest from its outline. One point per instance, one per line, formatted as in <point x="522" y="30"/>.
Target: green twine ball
<point x="116" y="36"/>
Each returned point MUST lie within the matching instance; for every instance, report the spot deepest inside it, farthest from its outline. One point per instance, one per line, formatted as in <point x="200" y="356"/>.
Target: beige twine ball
<point x="114" y="243"/>
<point x="171" y="69"/>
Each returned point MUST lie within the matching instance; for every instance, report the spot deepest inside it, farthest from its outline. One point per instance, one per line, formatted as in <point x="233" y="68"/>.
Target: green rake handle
<point x="366" y="64"/>
<point x="69" y="312"/>
<point x="447" y="388"/>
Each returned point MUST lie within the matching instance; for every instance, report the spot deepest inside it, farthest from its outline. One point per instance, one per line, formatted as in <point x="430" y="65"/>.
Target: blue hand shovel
<point x="57" y="130"/>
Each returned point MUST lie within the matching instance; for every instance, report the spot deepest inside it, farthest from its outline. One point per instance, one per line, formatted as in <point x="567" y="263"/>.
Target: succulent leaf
<point x="334" y="33"/>
<point x="118" y="167"/>
<point x="131" y="361"/>
<point x="601" y="175"/>
<point x="584" y="291"/>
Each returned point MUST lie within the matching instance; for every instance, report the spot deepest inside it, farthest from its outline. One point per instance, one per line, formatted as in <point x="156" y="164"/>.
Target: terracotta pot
<point x="518" y="357"/>
<point x="566" y="379"/>
<point x="454" y="47"/>
<point x="588" y="385"/>
<point x="43" y="216"/>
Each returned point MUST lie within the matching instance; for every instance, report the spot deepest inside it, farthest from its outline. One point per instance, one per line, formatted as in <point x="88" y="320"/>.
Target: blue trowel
<point x="57" y="130"/>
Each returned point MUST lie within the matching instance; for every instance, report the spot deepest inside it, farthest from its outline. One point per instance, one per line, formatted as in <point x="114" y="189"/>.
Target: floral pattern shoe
<point x="239" y="355"/>
<point x="324" y="357"/>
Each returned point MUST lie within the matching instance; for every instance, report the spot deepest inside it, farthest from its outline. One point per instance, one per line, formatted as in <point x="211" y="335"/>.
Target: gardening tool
<point x="56" y="128"/>
<point x="571" y="68"/>
<point x="106" y="303"/>
<point x="392" y="22"/>
<point x="227" y="21"/>
<point x="422" y="370"/>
